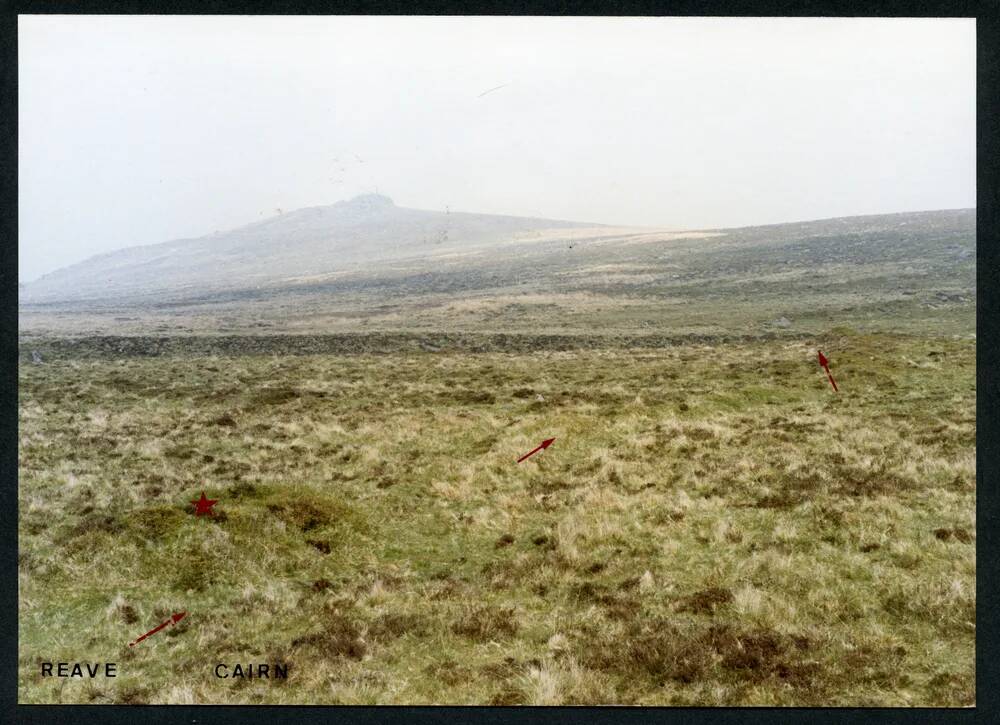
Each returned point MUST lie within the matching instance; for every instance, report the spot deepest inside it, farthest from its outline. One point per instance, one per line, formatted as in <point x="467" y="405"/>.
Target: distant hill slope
<point x="382" y="270"/>
<point x="305" y="242"/>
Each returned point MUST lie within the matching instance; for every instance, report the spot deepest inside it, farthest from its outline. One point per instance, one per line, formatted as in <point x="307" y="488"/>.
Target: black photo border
<point x="987" y="354"/>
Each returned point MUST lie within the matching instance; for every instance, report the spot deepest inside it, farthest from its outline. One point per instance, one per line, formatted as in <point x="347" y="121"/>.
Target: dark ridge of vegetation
<point x="361" y="343"/>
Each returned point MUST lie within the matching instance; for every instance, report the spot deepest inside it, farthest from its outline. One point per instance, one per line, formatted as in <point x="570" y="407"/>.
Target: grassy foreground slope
<point x="713" y="525"/>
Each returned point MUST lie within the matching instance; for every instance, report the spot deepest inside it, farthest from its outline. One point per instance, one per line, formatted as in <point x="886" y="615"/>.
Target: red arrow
<point x="173" y="620"/>
<point x="545" y="444"/>
<point x="826" y="366"/>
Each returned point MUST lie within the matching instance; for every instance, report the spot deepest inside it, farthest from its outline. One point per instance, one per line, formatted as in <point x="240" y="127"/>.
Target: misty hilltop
<point x="304" y="243"/>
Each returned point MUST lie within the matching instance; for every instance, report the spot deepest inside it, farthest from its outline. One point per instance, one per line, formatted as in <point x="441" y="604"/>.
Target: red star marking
<point x="204" y="505"/>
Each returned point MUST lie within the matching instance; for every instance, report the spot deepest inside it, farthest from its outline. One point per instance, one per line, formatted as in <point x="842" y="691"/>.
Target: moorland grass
<point x="713" y="525"/>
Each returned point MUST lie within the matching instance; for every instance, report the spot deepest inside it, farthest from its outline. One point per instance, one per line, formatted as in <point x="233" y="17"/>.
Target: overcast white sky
<point x="135" y="130"/>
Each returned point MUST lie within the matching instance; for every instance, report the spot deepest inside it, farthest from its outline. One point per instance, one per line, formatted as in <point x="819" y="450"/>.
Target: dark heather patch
<point x="486" y="623"/>
<point x="506" y="668"/>
<point x="587" y="591"/>
<point x="962" y="535"/>
<point x="340" y="637"/>
<point x="801" y="642"/>
<point x="659" y="649"/>
<point x="942" y="534"/>
<point x="218" y="517"/>
<point x="321" y="585"/>
<point x="307" y="514"/>
<point x="706" y="601"/>
<point x="698" y="434"/>
<point x="755" y="652"/>
<point x="394" y="625"/>
<point x="132" y="695"/>
<point x="801" y="674"/>
<point x="484" y="445"/>
<point x="951" y="689"/>
<point x="505" y="540"/>
<point x="620" y="607"/>
<point x="880" y="667"/>
<point x="507" y="697"/>
<point x="128" y="614"/>
<point x="463" y="395"/>
<point x="781" y="500"/>
<point x="596" y="568"/>
<point x="655" y="648"/>
<point x="540" y="540"/>
<point x="103" y="522"/>
<point x="225" y="420"/>
<point x="449" y="672"/>
<point x="242" y="490"/>
<point x="273" y="396"/>
<point x="321" y="546"/>
<point x="616" y="605"/>
<point x="180" y="452"/>
<point x="867" y="548"/>
<point x="36" y="526"/>
<point x="870" y="482"/>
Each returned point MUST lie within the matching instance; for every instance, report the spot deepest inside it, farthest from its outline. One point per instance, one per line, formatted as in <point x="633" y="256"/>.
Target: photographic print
<point x="496" y="361"/>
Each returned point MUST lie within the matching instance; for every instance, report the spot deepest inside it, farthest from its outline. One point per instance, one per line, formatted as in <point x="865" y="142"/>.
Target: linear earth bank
<point x="116" y="346"/>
